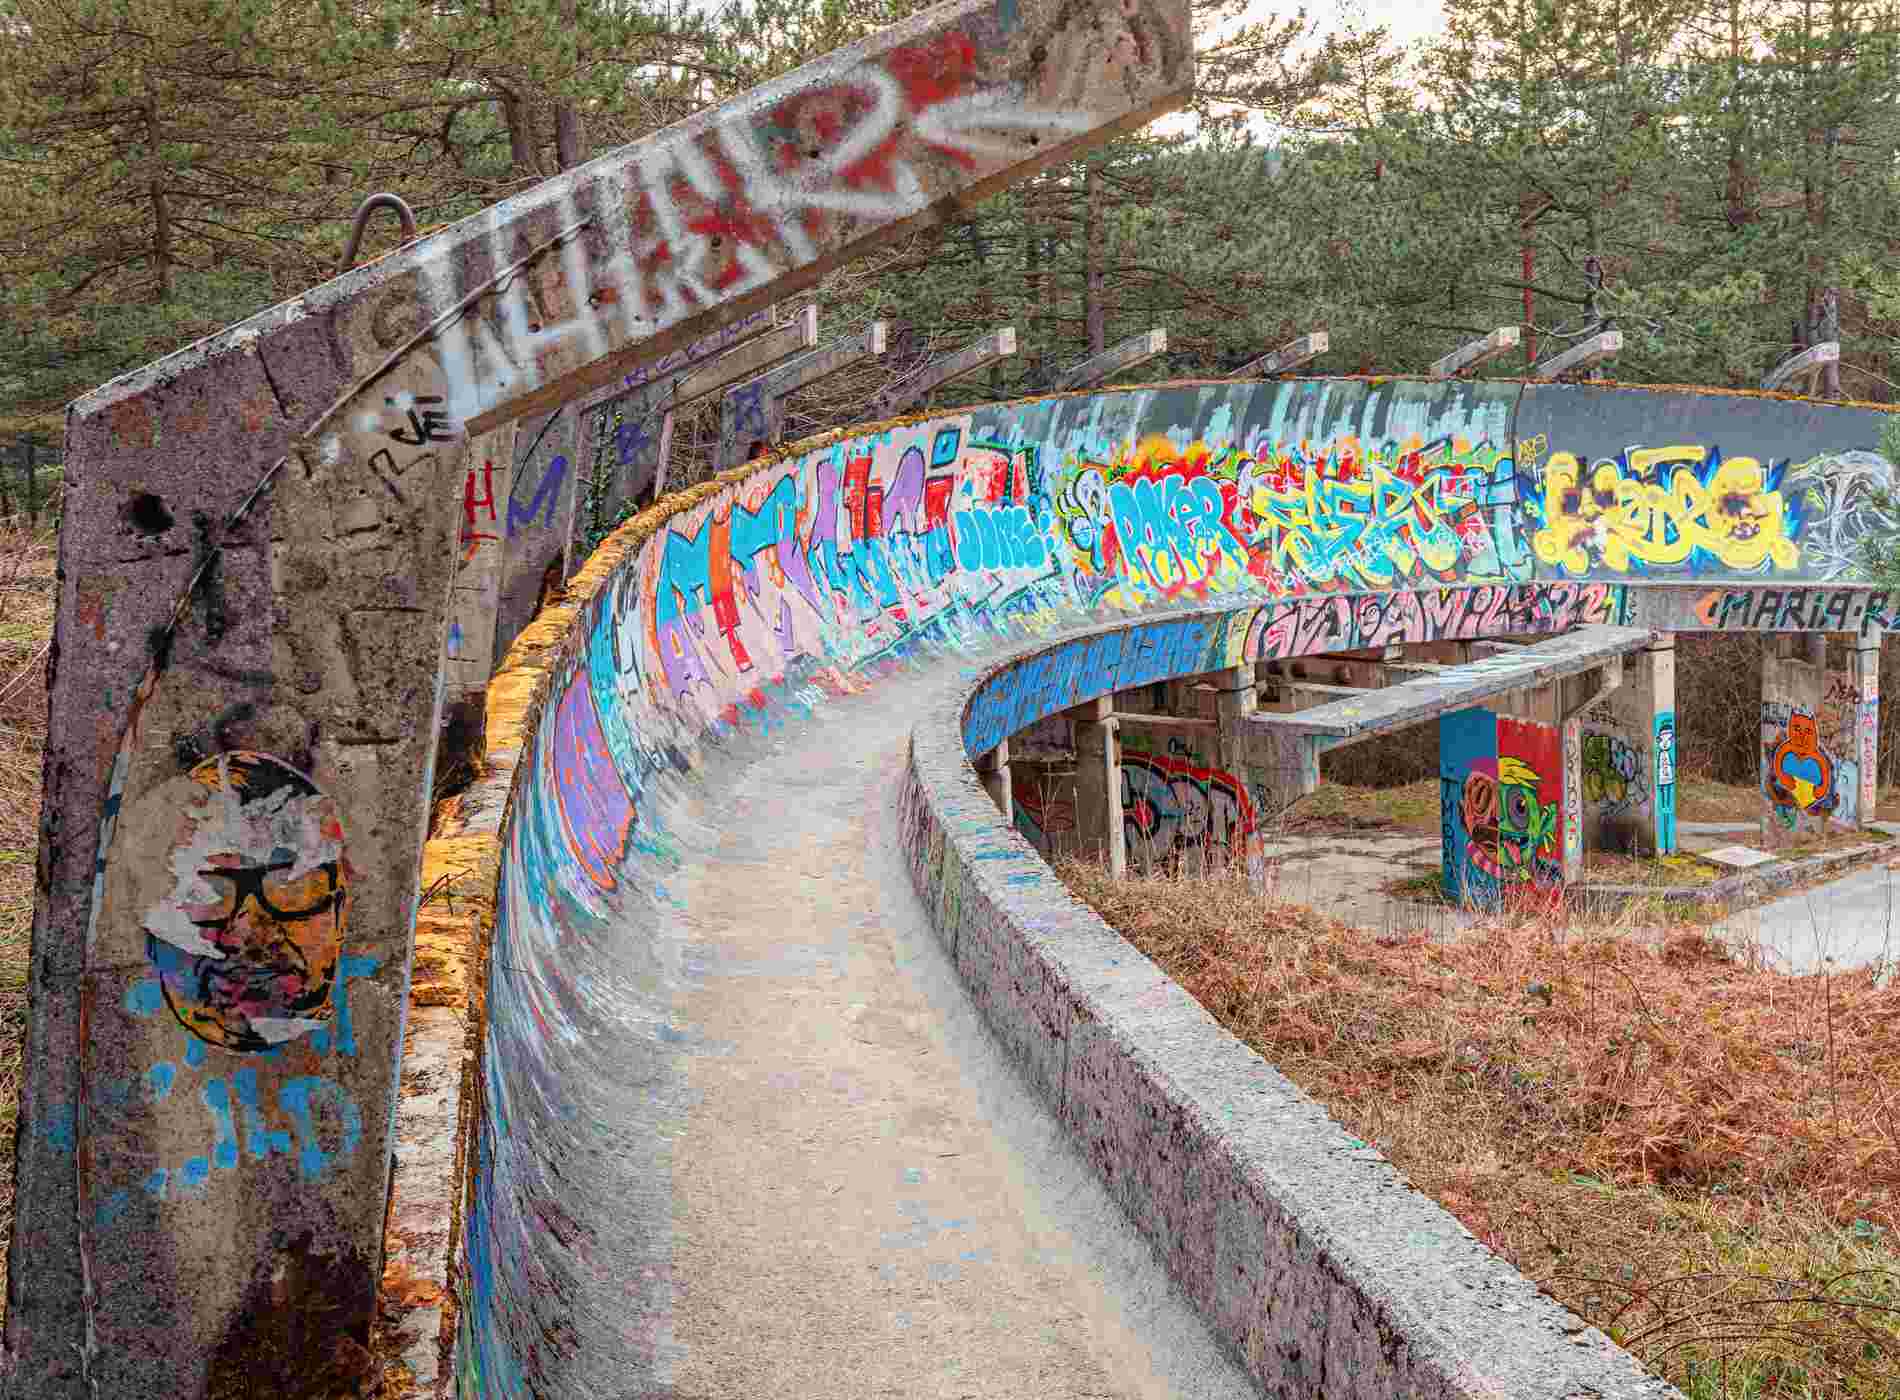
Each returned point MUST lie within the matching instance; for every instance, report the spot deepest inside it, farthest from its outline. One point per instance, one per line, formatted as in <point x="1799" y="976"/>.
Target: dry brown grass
<point x="26" y="630"/>
<point x="1698" y="1156"/>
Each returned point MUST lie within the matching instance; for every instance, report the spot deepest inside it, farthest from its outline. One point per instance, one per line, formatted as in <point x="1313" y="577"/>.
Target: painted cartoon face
<point x="1804" y="734"/>
<point x="1478" y="808"/>
<point x="246" y="944"/>
<point x="1525" y="825"/>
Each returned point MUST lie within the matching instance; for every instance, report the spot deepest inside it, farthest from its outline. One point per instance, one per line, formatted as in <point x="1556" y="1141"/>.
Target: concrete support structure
<point x="1098" y="785"/>
<point x="753" y="412"/>
<point x="1594" y="351"/>
<point x="1126" y="355"/>
<point x="644" y="439"/>
<point x="1289" y="356"/>
<point x="538" y="532"/>
<point x="1807" y="366"/>
<point x="258" y="550"/>
<point x="1626" y="746"/>
<point x="1865" y="679"/>
<point x="1475" y="353"/>
<point x="905" y="395"/>
<point x="993" y="768"/>
<point x="1809" y="778"/>
<point x="488" y="461"/>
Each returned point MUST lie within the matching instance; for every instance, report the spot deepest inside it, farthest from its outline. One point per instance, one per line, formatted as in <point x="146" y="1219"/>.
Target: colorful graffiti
<point x="1666" y="508"/>
<point x="1256" y="512"/>
<point x="1666" y="783"/>
<point x="246" y="941"/>
<point x="1173" y="806"/>
<point x="1501" y="804"/>
<point x="1798" y="775"/>
<point x="1613" y="774"/>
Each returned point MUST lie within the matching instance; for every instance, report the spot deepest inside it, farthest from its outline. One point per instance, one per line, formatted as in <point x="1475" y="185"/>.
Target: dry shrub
<point x="26" y="629"/>
<point x="1696" y="1155"/>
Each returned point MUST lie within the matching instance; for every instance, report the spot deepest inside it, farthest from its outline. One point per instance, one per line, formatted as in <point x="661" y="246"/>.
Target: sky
<point x="1409" y="20"/>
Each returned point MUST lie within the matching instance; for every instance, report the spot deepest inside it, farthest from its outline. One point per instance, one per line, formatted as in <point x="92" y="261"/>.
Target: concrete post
<point x="538" y="533"/>
<point x="1627" y="759"/>
<point x="1289" y="356"/>
<point x="1234" y="699"/>
<point x="1137" y="349"/>
<point x="912" y="390"/>
<point x="993" y="768"/>
<point x="645" y="437"/>
<point x="1799" y="774"/>
<point x="257" y="552"/>
<point x="1866" y="745"/>
<point x="754" y="411"/>
<point x="1098" y="785"/>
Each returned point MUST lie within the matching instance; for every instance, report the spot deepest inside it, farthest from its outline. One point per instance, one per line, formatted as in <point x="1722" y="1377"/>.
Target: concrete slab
<point x="1416" y="701"/>
<point x="1849" y="923"/>
<point x="1738" y="857"/>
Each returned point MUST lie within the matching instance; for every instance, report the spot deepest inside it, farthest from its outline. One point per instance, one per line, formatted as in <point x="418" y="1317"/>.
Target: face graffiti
<point x="246" y="945"/>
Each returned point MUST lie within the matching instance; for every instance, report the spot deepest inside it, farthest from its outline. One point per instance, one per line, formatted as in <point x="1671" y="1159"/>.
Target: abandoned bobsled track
<point x="683" y="1004"/>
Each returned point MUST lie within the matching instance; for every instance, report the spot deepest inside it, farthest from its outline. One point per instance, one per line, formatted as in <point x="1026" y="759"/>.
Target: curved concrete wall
<point x="1279" y="519"/>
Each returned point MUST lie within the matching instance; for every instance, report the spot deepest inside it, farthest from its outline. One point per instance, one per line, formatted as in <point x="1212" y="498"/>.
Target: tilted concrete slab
<point x="258" y="556"/>
<point x="1136" y="350"/>
<point x="1455" y="687"/>
<point x="907" y="393"/>
<point x="754" y="411"/>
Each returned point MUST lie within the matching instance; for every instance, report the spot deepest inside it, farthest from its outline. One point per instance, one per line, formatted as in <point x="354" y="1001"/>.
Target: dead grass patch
<point x="1696" y="1155"/>
<point x="1412" y="807"/>
<point x="1677" y="871"/>
<point x="26" y="630"/>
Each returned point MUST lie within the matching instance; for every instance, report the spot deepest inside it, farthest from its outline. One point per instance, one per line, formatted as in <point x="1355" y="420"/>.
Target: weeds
<point x="26" y="630"/>
<point x="1695" y="1154"/>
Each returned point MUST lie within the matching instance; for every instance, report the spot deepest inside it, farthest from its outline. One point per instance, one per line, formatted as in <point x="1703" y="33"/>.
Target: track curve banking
<point x="727" y="1143"/>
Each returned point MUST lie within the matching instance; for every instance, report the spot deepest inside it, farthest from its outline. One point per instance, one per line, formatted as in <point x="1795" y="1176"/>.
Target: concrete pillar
<point x="993" y="768"/>
<point x="1626" y="768"/>
<point x="1234" y="699"/>
<point x="1799" y="774"/>
<point x="1098" y="785"/>
<point x="1867" y="723"/>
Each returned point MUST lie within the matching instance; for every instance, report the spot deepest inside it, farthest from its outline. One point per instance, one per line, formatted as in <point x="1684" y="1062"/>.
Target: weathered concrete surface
<point x="912" y="390"/>
<point x="1414" y="701"/>
<point x="1136" y="350"/>
<point x="258" y="555"/>
<point x="644" y="435"/>
<point x="804" y="582"/>
<point x="752" y="414"/>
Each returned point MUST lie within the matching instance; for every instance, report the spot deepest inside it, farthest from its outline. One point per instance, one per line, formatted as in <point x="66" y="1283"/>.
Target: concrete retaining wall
<point x="730" y="611"/>
<point x="1315" y="1263"/>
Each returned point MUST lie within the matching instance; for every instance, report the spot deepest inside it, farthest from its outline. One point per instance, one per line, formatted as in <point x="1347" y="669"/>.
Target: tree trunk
<point x="162" y="258"/>
<point x="523" y="163"/>
<point x="570" y="132"/>
<point x="1095" y="314"/>
<point x="1032" y="289"/>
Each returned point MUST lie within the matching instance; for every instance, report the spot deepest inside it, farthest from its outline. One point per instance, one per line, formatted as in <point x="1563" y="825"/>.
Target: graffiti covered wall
<point x="1501" y="802"/>
<point x="1265" y="509"/>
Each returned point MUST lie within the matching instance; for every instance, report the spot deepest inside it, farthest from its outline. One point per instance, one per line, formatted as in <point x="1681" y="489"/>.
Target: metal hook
<point x="385" y="200"/>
